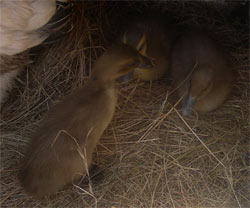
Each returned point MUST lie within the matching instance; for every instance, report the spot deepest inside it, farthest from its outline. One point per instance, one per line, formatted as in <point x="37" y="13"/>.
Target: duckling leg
<point x="96" y="174"/>
<point x="188" y="105"/>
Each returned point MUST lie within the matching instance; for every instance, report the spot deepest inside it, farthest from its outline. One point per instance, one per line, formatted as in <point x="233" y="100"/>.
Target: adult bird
<point x="23" y="25"/>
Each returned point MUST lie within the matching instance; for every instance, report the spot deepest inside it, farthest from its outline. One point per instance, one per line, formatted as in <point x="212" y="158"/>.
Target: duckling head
<point x="200" y="85"/>
<point x="137" y="39"/>
<point x="118" y="61"/>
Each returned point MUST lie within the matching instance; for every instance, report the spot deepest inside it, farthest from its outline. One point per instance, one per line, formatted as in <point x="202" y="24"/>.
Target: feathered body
<point x="202" y="72"/>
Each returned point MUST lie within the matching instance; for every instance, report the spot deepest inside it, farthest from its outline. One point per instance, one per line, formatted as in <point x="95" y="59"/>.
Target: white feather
<point x="18" y="22"/>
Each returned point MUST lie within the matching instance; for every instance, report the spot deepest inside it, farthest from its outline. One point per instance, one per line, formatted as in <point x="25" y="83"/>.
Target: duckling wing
<point x="181" y="63"/>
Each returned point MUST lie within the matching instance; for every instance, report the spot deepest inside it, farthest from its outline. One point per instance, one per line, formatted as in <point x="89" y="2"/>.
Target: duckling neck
<point x="100" y="83"/>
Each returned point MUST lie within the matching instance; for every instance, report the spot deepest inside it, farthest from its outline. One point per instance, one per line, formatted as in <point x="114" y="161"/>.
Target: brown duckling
<point x="201" y="72"/>
<point x="151" y="39"/>
<point x="61" y="150"/>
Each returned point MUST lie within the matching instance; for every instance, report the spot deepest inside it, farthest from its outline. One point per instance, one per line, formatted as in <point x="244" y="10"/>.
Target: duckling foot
<point x="187" y="105"/>
<point x="96" y="175"/>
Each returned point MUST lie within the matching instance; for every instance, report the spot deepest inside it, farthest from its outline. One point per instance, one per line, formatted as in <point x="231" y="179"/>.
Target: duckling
<point x="201" y="72"/>
<point x="25" y="24"/>
<point x="151" y="39"/>
<point x="61" y="150"/>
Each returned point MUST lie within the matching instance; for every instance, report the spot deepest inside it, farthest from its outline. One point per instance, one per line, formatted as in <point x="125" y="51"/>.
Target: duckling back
<point x="151" y="39"/>
<point x="201" y="71"/>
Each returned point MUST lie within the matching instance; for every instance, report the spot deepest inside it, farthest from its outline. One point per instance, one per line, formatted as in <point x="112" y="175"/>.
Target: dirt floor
<point x="150" y="155"/>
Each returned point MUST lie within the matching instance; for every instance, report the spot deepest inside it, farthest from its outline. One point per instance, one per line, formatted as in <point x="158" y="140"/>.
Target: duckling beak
<point x="127" y="77"/>
<point x="188" y="105"/>
<point x="146" y="63"/>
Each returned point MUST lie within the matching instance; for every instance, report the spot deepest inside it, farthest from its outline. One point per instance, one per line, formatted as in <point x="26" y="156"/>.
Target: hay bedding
<point x="150" y="155"/>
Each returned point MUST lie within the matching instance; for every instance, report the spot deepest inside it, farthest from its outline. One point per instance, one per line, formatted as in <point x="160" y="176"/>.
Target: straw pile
<point x="150" y="155"/>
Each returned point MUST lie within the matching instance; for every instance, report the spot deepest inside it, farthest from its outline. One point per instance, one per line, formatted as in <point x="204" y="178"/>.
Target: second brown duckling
<point x="150" y="37"/>
<point x="201" y="71"/>
<point x="61" y="150"/>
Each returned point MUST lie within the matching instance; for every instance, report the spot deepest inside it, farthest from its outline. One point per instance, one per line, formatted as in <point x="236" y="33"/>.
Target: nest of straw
<point x="150" y="155"/>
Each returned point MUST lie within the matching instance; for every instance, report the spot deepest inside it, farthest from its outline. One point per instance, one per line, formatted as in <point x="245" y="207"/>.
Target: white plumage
<point x="19" y="22"/>
<point x="22" y="26"/>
